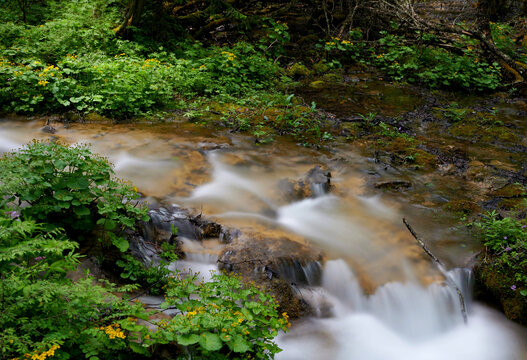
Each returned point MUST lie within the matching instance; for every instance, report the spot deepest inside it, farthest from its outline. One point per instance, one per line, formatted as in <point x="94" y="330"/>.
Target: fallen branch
<point x="442" y="269"/>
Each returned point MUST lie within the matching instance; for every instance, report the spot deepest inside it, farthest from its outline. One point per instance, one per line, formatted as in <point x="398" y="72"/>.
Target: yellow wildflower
<point x="113" y="331"/>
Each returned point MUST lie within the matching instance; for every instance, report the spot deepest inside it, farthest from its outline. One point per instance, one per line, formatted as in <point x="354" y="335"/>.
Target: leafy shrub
<point x="506" y="240"/>
<point x="423" y="63"/>
<point x="435" y="67"/>
<point x="44" y="314"/>
<point x="221" y="319"/>
<point x="353" y="50"/>
<point x="69" y="187"/>
<point x="153" y="278"/>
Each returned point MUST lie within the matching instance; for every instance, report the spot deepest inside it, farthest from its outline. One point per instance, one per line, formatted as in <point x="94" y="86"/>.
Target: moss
<point x="321" y="67"/>
<point x="332" y="77"/>
<point x="510" y="190"/>
<point x="408" y="153"/>
<point x="298" y="70"/>
<point x="464" y="207"/>
<point x="490" y="286"/>
<point x="317" y="84"/>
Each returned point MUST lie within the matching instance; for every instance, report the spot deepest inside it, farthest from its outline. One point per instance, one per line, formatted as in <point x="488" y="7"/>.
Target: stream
<point x="378" y="295"/>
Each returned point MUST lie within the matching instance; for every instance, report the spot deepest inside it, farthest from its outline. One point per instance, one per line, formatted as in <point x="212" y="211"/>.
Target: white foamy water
<point x="229" y="186"/>
<point x="403" y="321"/>
<point x="7" y="144"/>
<point x="322" y="221"/>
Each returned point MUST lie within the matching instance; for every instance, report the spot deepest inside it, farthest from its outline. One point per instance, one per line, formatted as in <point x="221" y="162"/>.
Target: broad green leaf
<point x="210" y="341"/>
<point x="187" y="339"/>
<point x="121" y="243"/>
<point x="240" y="345"/>
<point x="109" y="224"/>
<point x="62" y="196"/>
<point x="82" y="211"/>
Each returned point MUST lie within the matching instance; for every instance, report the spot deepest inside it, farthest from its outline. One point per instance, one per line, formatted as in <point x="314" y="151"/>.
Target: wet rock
<point x="172" y="225"/>
<point x="475" y="163"/>
<point x="72" y="116"/>
<point x="48" y="129"/>
<point x="315" y="182"/>
<point x="278" y="264"/>
<point x="392" y="184"/>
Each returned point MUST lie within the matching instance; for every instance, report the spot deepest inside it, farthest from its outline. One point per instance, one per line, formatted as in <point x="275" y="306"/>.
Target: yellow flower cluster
<point x="72" y="56"/>
<point x="198" y="310"/>
<point x="44" y="355"/>
<point x="122" y="54"/>
<point x="230" y="56"/>
<point x="151" y="63"/>
<point x="336" y="40"/>
<point x="113" y="331"/>
<point x="43" y="82"/>
<point x="48" y="71"/>
<point x="285" y="320"/>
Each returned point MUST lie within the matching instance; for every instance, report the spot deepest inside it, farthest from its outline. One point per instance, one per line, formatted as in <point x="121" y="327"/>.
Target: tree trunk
<point x="132" y="16"/>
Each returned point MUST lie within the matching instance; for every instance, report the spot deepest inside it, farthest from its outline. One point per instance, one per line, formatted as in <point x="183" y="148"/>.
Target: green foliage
<point x="454" y="113"/>
<point x="393" y="132"/>
<point x="44" y="314"/>
<point x="69" y="187"/>
<point x="75" y="62"/>
<point x="352" y="50"/>
<point x="506" y="240"/>
<point x="221" y="319"/>
<point x="275" y="36"/>
<point x="404" y="60"/>
<point x="435" y="67"/>
<point x="503" y="37"/>
<point x="153" y="278"/>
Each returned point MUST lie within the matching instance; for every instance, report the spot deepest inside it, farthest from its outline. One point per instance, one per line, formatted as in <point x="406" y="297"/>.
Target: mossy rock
<point x="298" y="70"/>
<point x="510" y="190"/>
<point x="493" y="287"/>
<point x="318" y="84"/>
<point x="321" y="67"/>
<point x="332" y="77"/>
<point x="461" y="206"/>
<point x="96" y="118"/>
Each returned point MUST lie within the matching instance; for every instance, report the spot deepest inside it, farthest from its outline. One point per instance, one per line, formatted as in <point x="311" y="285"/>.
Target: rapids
<point x="379" y="297"/>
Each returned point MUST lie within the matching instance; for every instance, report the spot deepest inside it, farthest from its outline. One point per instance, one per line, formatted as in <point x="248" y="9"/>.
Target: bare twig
<point x="441" y="268"/>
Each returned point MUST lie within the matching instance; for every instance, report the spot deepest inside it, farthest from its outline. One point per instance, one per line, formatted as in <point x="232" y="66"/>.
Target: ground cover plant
<point x="71" y="188"/>
<point x="505" y="239"/>
<point x="49" y="187"/>
<point x="404" y="60"/>
<point x="74" y="62"/>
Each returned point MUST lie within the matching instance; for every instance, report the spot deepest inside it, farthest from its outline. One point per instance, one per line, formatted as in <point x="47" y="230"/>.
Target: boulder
<point x="279" y="265"/>
<point x="315" y="182"/>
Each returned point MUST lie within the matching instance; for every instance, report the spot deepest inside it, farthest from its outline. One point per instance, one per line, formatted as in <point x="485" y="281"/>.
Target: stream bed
<point x="378" y="297"/>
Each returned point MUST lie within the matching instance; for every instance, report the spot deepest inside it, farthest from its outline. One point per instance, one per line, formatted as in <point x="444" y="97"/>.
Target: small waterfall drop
<point x="399" y="321"/>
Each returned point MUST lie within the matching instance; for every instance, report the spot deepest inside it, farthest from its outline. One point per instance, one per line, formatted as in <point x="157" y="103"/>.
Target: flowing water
<point x="378" y="296"/>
